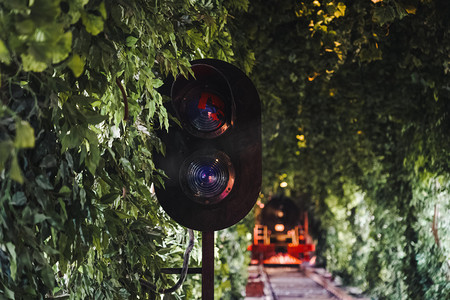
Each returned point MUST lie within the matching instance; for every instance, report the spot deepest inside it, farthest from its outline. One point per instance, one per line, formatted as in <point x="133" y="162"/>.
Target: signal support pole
<point x="207" y="265"/>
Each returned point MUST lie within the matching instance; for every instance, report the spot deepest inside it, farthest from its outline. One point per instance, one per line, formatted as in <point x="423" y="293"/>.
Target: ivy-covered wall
<point x="78" y="114"/>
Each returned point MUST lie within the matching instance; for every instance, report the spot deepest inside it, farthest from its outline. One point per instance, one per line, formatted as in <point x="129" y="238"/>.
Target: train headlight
<point x="279" y="227"/>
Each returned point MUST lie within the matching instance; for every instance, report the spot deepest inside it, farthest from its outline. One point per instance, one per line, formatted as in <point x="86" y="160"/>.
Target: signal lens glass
<point x="207" y="178"/>
<point x="206" y="112"/>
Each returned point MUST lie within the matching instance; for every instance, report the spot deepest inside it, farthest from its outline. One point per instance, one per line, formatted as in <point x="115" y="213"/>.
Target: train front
<point x="280" y="236"/>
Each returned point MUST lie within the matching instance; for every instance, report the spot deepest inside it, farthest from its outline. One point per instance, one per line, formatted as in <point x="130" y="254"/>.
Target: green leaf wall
<point x="78" y="216"/>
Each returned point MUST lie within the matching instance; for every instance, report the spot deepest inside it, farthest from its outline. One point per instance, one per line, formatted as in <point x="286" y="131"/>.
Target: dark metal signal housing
<point x="213" y="160"/>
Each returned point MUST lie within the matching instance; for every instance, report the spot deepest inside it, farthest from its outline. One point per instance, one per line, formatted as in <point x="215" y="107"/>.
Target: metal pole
<point x="208" y="265"/>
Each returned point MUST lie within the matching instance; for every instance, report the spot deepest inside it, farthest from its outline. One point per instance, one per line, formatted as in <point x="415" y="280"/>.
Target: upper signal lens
<point x="206" y="112"/>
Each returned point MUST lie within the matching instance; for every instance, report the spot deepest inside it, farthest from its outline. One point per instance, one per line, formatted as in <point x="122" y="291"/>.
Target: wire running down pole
<point x="184" y="270"/>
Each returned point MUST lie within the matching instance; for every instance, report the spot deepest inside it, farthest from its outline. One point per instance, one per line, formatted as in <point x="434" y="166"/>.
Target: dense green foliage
<point x="355" y="120"/>
<point x="356" y="102"/>
<point x="79" y="110"/>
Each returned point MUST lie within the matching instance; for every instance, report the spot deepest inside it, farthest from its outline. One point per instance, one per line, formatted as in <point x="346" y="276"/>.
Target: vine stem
<point x="434" y="229"/>
<point x="434" y="226"/>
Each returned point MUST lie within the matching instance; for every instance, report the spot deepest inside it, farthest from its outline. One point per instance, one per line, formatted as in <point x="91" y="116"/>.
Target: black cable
<point x="184" y="271"/>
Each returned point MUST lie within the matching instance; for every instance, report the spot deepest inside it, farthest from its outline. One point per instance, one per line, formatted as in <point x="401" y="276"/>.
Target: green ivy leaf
<point x="131" y="41"/>
<point x="13" y="259"/>
<point x="94" y="24"/>
<point x="74" y="138"/>
<point x="109" y="198"/>
<point x="26" y="27"/>
<point x="173" y="41"/>
<point x="5" y="152"/>
<point x="4" y="53"/>
<point x="102" y="10"/>
<point x="93" y="159"/>
<point x="30" y="63"/>
<point x="49" y="161"/>
<point x="43" y="182"/>
<point x="48" y="276"/>
<point x="76" y="64"/>
<point x="15" y="172"/>
<point x="63" y="206"/>
<point x="383" y="15"/>
<point x="38" y="218"/>
<point x="65" y="190"/>
<point x="94" y="117"/>
<point x="7" y="292"/>
<point x="75" y="9"/>
<point x="123" y="215"/>
<point x="62" y="48"/>
<point x="18" y="199"/>
<point x="24" y="135"/>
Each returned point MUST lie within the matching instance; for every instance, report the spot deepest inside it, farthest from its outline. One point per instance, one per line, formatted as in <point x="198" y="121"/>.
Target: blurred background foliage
<point x="355" y="128"/>
<point x="355" y="101"/>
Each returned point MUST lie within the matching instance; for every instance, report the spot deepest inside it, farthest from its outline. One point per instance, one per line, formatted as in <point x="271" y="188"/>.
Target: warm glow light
<point x="279" y="227"/>
<point x="282" y="259"/>
<point x="280" y="214"/>
<point x="283" y="184"/>
<point x="311" y="78"/>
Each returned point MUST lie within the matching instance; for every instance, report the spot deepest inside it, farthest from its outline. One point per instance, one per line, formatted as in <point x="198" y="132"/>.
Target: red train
<point x="280" y="236"/>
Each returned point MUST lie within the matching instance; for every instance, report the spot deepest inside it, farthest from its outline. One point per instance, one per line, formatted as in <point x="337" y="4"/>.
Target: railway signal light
<point x="213" y="160"/>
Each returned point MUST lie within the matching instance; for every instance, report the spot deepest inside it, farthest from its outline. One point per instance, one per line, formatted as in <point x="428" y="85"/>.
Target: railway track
<point x="290" y="283"/>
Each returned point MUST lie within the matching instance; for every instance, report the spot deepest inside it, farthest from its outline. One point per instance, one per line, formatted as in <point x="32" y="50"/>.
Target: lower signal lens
<point x="207" y="178"/>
